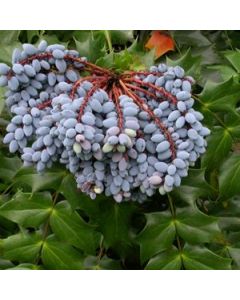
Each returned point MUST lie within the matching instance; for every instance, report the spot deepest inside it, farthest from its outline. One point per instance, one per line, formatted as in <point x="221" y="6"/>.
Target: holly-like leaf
<point x="219" y="145"/>
<point x="234" y="58"/>
<point x="121" y="37"/>
<point x="216" y="99"/>
<point x="161" y="41"/>
<point x="22" y="247"/>
<point x="9" y="167"/>
<point x="93" y="47"/>
<point x="235" y="255"/>
<point x="114" y="221"/>
<point x="167" y="260"/>
<point x="69" y="227"/>
<point x="195" y="227"/>
<point x="157" y="235"/>
<point x="49" y="180"/>
<point x="27" y="210"/>
<point x="190" y="258"/>
<point x="60" y="256"/>
<point x="229" y="176"/>
<point x="161" y="228"/>
<point x="201" y="258"/>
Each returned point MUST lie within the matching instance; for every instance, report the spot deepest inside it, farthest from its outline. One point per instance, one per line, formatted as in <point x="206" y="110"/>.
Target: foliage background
<point x="46" y="223"/>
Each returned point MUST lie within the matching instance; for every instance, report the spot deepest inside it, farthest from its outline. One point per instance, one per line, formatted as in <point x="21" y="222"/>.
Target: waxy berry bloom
<point x="125" y="135"/>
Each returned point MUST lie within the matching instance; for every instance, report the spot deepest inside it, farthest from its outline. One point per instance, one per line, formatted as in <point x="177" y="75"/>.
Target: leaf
<point x="25" y="267"/>
<point x="215" y="98"/>
<point x="168" y="260"/>
<point x="93" y="47"/>
<point x="235" y="255"/>
<point x="219" y="145"/>
<point x="69" y="227"/>
<point x="225" y="71"/>
<point x="190" y="258"/>
<point x="7" y="37"/>
<point x="191" y="64"/>
<point x="121" y="37"/>
<point x="157" y="235"/>
<point x="49" y="180"/>
<point x="9" y="167"/>
<point x="103" y="263"/>
<point x="234" y="58"/>
<point x="22" y="247"/>
<point x="200" y="258"/>
<point x="60" y="256"/>
<point x="193" y="226"/>
<point x="161" y="227"/>
<point x="190" y="38"/>
<point x="229" y="176"/>
<point x="28" y="210"/>
<point x="161" y="41"/>
<point x="114" y="221"/>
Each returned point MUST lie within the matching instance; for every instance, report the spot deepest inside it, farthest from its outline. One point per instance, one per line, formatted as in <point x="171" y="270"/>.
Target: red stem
<point x="144" y="106"/>
<point x="157" y="89"/>
<point x="117" y="105"/>
<point x="44" y="104"/>
<point x="87" y="98"/>
<point x="137" y="88"/>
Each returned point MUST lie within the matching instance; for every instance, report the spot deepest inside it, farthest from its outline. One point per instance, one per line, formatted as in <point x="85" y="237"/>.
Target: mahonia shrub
<point x="116" y="170"/>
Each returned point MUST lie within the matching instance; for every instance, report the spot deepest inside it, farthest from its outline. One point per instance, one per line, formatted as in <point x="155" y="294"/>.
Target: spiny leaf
<point x="229" y="176"/>
<point x="157" y="235"/>
<point x="69" y="227"/>
<point x="22" y="247"/>
<point x="219" y="145"/>
<point x="215" y="98"/>
<point x="60" y="256"/>
<point x="28" y="210"/>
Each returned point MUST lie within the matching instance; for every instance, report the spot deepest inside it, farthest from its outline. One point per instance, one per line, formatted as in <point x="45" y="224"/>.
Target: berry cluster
<point x="126" y="135"/>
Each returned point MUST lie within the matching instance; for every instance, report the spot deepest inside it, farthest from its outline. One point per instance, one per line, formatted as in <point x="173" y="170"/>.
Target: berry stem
<point x="157" y="89"/>
<point x="144" y="106"/>
<point x="117" y="105"/>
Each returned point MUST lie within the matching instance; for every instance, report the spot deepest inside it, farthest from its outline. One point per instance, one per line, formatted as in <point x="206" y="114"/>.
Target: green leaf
<point x="191" y="38"/>
<point x="68" y="226"/>
<point x="26" y="267"/>
<point x="190" y="258"/>
<point x="93" y="47"/>
<point x="103" y="263"/>
<point x="22" y="247"/>
<point x="114" y="222"/>
<point x="229" y="176"/>
<point x="193" y="226"/>
<point x="235" y="255"/>
<point x="60" y="256"/>
<point x="234" y="58"/>
<point x="167" y="260"/>
<point x="219" y="145"/>
<point x="49" y="180"/>
<point x="215" y="98"/>
<point x="201" y="258"/>
<point x="28" y="210"/>
<point x="225" y="71"/>
<point x="9" y="167"/>
<point x="189" y="223"/>
<point x="157" y="235"/>
<point x="121" y="37"/>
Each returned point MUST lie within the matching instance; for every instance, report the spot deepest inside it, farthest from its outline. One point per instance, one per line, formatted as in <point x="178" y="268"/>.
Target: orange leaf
<point x="161" y="41"/>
